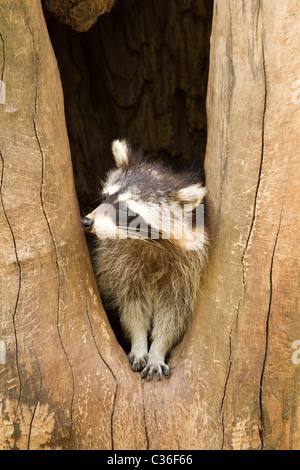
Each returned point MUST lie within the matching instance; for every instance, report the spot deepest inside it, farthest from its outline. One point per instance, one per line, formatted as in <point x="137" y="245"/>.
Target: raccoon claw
<point x="137" y="363"/>
<point x="158" y="369"/>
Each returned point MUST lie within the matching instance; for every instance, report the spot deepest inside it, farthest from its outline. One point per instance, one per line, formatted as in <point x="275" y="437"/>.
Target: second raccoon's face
<point x="138" y="198"/>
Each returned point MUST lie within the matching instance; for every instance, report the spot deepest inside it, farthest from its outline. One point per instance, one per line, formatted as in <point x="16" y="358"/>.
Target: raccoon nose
<point x="87" y="223"/>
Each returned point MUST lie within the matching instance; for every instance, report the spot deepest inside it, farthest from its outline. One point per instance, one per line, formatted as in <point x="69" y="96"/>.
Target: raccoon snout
<point x="87" y="224"/>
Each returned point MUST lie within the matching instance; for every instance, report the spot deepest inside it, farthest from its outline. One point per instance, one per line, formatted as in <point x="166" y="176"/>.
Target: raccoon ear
<point x="192" y="194"/>
<point x="120" y="150"/>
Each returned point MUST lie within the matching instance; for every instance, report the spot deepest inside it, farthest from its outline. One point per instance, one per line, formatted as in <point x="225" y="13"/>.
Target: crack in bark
<point x="35" y="406"/>
<point x="262" y="421"/>
<point x="19" y="283"/>
<point x="225" y="390"/>
<point x="144" y="417"/>
<point x="261" y="160"/>
<point x="107" y="365"/>
<point x="3" y="55"/>
<point x="45" y="214"/>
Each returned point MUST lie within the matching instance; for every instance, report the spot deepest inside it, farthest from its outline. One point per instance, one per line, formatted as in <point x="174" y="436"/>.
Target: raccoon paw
<point x="137" y="363"/>
<point x="157" y="368"/>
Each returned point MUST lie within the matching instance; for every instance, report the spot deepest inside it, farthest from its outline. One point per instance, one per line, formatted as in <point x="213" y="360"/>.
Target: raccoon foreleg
<point x="156" y="362"/>
<point x="168" y="327"/>
<point x="136" y="324"/>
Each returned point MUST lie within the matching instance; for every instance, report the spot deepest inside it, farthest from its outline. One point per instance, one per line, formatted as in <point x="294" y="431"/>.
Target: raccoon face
<point x="145" y="200"/>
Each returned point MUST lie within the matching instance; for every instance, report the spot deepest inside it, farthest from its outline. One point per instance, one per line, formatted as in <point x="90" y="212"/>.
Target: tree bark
<point x="65" y="383"/>
<point x="251" y="291"/>
<point x="80" y="15"/>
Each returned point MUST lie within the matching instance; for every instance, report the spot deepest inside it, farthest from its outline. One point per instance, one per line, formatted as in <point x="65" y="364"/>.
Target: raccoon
<point x="144" y="268"/>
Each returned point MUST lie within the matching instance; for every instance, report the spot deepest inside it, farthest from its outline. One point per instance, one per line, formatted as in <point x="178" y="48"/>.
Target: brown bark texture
<point x="79" y="14"/>
<point x="65" y="383"/>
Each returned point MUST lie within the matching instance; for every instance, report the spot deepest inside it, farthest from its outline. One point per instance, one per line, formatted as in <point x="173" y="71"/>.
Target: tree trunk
<point x="251" y="292"/>
<point x="65" y="382"/>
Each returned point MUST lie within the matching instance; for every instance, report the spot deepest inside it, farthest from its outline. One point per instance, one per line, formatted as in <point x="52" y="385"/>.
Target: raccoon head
<point x="145" y="199"/>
